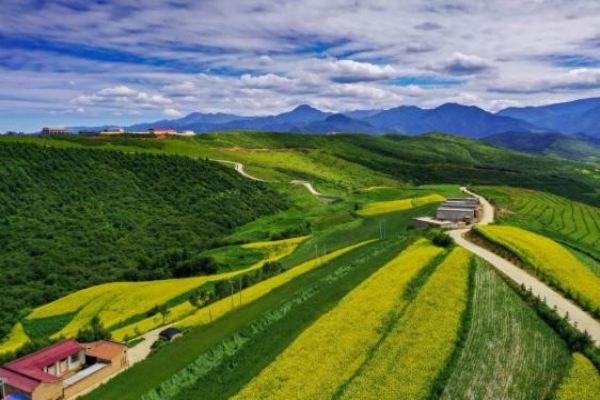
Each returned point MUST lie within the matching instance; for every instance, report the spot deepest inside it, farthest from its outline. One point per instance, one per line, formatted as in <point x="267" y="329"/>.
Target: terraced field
<point x="565" y="219"/>
<point x="551" y="261"/>
<point x="509" y="353"/>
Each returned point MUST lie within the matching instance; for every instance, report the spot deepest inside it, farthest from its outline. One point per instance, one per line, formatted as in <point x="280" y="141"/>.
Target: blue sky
<point x="69" y="63"/>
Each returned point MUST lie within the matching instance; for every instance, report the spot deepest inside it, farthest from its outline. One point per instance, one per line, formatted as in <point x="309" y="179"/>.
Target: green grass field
<point x="570" y="221"/>
<point x="509" y="353"/>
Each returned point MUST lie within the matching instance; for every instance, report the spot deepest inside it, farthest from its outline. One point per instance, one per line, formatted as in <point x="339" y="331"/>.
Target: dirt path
<point x="239" y="167"/>
<point x="578" y="317"/>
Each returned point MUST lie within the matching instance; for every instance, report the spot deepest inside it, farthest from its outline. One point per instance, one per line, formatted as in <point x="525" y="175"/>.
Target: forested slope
<point x="73" y="218"/>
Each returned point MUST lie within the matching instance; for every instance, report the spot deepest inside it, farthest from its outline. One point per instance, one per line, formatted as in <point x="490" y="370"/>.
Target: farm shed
<point x="426" y="222"/>
<point x="170" y="334"/>
<point x="456" y="214"/>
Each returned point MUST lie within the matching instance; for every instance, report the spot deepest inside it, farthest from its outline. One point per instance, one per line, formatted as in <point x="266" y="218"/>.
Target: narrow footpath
<point x="579" y="318"/>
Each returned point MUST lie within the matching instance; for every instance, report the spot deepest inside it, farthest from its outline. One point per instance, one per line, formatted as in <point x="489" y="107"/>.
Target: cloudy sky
<point x="66" y="62"/>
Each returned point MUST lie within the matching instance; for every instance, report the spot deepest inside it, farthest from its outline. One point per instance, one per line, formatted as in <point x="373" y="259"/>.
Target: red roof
<point x="18" y="381"/>
<point x="33" y="364"/>
<point x="105" y="350"/>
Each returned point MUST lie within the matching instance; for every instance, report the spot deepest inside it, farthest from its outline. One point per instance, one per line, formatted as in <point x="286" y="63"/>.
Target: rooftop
<point x="18" y="381"/>
<point x="105" y="350"/>
<point x="32" y="365"/>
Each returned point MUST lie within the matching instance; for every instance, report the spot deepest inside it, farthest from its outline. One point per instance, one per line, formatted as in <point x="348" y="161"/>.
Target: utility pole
<point x="240" y="281"/>
<point x="380" y="231"/>
<point x="2" y="382"/>
<point x="232" y="303"/>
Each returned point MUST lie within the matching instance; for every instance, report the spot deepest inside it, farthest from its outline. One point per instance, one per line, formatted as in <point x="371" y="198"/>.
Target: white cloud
<point x="463" y="64"/>
<point x="172" y="112"/>
<point x="120" y="96"/>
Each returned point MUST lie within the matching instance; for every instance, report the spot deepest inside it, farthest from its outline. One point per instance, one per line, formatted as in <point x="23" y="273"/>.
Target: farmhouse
<point x="63" y="369"/>
<point x="113" y="131"/>
<point x="55" y="131"/>
<point x="162" y="131"/>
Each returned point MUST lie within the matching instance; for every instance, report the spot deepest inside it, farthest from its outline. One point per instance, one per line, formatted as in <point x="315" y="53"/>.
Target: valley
<point x="320" y="242"/>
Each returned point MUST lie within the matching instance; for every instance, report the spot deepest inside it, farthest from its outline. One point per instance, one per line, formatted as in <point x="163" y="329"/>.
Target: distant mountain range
<point x="580" y="119"/>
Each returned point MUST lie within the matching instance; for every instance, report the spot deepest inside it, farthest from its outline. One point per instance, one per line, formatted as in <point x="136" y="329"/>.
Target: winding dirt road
<point x="578" y="317"/>
<point x="239" y="167"/>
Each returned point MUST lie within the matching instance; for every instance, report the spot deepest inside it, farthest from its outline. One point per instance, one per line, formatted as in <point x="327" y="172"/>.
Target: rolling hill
<point x="550" y="144"/>
<point x="579" y="116"/>
<point x="73" y="218"/>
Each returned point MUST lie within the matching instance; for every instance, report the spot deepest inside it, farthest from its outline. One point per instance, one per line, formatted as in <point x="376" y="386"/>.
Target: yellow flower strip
<point x="119" y="301"/>
<point x="408" y="360"/>
<point x="330" y="351"/>
<point x="381" y="207"/>
<point x="16" y="339"/>
<point x="582" y="382"/>
<point x="221" y="307"/>
<point x="552" y="259"/>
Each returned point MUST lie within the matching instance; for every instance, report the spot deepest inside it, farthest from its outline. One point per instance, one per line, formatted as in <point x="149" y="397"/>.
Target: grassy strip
<point x="578" y="342"/>
<point x="528" y="359"/>
<point x="517" y="257"/>
<point x="147" y="375"/>
<point x="440" y="382"/>
<point x="222" y="371"/>
<point x="45" y="327"/>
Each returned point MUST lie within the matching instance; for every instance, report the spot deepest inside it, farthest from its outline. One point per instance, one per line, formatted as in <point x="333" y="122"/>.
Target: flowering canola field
<point x="550" y="260"/>
<point x="406" y="363"/>
<point x="17" y="338"/>
<point x="188" y="316"/>
<point x="381" y="207"/>
<point x="119" y="301"/>
<point x="223" y="306"/>
<point x="328" y="353"/>
<point x="582" y="382"/>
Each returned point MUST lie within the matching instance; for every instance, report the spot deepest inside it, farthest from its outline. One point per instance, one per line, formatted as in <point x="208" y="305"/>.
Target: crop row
<point x="409" y="358"/>
<point x="331" y="350"/>
<point x="509" y="352"/>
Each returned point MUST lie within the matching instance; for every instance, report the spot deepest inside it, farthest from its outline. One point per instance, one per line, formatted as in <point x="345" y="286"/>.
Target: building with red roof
<point x="63" y="370"/>
<point x="162" y="131"/>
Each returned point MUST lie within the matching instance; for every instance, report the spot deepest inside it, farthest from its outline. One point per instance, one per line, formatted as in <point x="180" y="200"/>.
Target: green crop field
<point x="509" y="352"/>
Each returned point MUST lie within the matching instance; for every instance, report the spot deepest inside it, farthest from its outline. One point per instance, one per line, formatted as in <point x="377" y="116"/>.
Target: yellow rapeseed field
<point x="330" y="351"/>
<point x="550" y="258"/>
<point x="16" y="339"/>
<point x="119" y="301"/>
<point x="381" y="207"/>
<point x="408" y="360"/>
<point x="582" y="382"/>
<point x="254" y="292"/>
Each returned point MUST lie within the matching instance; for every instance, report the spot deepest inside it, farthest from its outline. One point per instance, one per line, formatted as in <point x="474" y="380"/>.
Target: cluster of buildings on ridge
<point x="453" y="213"/>
<point x="116" y="131"/>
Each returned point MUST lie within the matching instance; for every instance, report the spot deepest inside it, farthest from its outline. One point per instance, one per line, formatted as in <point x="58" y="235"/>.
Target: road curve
<point x="239" y="167"/>
<point x="578" y="317"/>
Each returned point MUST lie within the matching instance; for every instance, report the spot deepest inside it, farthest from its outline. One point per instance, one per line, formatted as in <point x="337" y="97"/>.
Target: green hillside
<point x="547" y="143"/>
<point x="72" y="218"/>
<point x="337" y="164"/>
